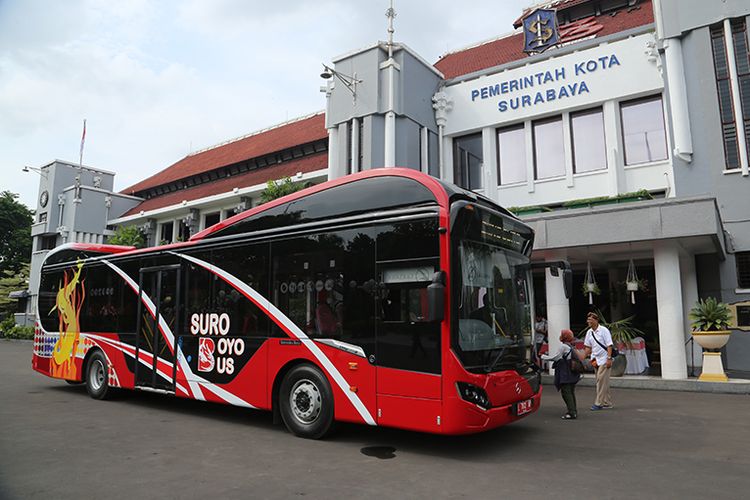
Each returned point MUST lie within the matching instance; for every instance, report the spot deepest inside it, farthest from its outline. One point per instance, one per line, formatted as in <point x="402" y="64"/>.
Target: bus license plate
<point x="523" y="407"/>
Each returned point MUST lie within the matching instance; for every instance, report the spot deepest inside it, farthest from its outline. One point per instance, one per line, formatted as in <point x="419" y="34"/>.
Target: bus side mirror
<point x="568" y="282"/>
<point x="436" y="298"/>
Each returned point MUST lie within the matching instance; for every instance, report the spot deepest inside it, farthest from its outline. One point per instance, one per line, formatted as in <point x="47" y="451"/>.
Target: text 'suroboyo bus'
<point x="386" y="298"/>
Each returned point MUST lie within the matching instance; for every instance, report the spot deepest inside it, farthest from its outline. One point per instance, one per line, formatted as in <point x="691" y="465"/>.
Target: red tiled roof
<point x="559" y="5"/>
<point x="251" y="178"/>
<point x="510" y="48"/>
<point x="265" y="142"/>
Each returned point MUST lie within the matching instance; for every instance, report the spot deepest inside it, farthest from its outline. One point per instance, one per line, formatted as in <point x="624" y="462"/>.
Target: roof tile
<point x="510" y="48"/>
<point x="250" y="178"/>
<point x="288" y="135"/>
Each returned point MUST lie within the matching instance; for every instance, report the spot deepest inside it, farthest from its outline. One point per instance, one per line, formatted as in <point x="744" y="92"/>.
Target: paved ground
<point x="56" y="442"/>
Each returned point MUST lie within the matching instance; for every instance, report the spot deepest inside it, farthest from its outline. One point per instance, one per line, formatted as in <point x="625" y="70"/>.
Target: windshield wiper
<point x="500" y="353"/>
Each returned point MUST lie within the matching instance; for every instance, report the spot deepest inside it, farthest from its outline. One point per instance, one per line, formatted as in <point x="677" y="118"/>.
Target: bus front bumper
<point x="468" y="418"/>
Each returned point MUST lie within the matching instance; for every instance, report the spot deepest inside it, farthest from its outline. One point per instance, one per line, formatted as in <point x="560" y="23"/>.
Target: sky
<point x="156" y="80"/>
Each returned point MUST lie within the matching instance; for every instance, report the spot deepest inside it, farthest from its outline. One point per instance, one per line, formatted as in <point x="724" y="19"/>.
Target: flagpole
<point x="77" y="192"/>
<point x="83" y="140"/>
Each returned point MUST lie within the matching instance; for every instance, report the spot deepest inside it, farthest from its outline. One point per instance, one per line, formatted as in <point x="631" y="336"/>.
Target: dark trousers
<point x="568" y="392"/>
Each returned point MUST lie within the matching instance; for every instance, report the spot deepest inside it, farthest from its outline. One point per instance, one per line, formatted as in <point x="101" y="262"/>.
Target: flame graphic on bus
<point x="68" y="304"/>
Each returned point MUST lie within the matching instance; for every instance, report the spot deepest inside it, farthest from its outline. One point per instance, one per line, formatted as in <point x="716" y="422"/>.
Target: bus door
<point x="407" y="349"/>
<point x="156" y="367"/>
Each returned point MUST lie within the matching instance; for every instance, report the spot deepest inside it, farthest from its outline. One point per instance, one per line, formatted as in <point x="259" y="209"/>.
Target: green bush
<point x="6" y="324"/>
<point x="9" y="329"/>
<point x="20" y="332"/>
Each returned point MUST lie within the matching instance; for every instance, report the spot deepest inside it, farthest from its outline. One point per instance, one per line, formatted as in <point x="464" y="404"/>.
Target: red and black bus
<point x="387" y="297"/>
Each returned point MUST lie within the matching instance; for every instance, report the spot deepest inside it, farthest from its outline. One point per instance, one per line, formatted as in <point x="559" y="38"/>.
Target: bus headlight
<point x="473" y="394"/>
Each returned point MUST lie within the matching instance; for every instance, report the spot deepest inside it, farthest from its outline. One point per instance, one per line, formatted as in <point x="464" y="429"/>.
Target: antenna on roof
<point x="391" y="15"/>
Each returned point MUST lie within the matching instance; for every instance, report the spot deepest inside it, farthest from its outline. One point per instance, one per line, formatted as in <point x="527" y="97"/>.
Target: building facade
<point x="74" y="205"/>
<point x="591" y="142"/>
<point x="705" y="49"/>
<point x="218" y="182"/>
<point x="613" y="144"/>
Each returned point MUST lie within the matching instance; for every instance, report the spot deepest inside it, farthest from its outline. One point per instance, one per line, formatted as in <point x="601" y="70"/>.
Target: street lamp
<point x="39" y="171"/>
<point x="350" y="82"/>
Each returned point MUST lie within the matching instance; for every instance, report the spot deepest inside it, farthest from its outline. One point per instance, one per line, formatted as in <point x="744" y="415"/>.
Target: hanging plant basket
<point x="590" y="286"/>
<point x="632" y="284"/>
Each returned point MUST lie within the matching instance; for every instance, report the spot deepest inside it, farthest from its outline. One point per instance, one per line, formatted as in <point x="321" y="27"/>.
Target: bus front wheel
<point x="97" y="377"/>
<point x="306" y="402"/>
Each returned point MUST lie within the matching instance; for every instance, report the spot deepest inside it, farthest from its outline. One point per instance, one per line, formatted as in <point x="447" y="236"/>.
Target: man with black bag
<point x="568" y="367"/>
<point x="598" y="345"/>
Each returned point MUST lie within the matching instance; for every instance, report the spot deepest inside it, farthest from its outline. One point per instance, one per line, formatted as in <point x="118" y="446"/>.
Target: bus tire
<point x="97" y="377"/>
<point x="306" y="402"/>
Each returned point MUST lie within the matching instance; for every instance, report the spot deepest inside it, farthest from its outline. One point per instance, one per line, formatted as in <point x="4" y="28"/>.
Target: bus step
<point x="153" y="389"/>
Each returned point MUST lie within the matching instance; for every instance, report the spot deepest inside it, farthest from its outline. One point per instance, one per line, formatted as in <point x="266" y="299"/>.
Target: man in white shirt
<point x="598" y="345"/>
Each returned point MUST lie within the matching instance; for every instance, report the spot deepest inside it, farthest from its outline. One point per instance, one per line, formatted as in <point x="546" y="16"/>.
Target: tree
<point x="11" y="281"/>
<point x="128" y="236"/>
<point x="279" y="188"/>
<point x="15" y="231"/>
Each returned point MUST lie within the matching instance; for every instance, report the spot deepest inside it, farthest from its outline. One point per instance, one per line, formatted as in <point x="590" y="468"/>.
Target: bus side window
<point x="249" y="263"/>
<point x="325" y="284"/>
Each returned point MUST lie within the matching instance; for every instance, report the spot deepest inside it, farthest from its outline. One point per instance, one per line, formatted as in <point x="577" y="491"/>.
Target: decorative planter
<point x="713" y="368"/>
<point x="712" y="340"/>
<point x="632" y="286"/>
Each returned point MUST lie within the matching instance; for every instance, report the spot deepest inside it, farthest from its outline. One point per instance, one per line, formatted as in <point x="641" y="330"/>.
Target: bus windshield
<point x="491" y="292"/>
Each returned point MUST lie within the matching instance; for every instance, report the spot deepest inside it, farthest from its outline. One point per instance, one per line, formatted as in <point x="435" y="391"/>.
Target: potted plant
<point x="623" y="332"/>
<point x="588" y="288"/>
<point x="711" y="321"/>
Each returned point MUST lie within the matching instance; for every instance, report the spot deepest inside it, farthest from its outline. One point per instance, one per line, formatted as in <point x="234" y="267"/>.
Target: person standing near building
<point x="598" y="345"/>
<point x="565" y="378"/>
<point x="540" y="333"/>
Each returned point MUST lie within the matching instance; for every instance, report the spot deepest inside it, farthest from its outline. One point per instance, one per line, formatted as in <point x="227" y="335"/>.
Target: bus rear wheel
<point x="97" y="377"/>
<point x="306" y="402"/>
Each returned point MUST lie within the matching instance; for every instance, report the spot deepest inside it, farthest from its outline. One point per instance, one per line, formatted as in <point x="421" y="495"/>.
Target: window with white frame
<point x="167" y="233"/>
<point x="211" y="218"/>
<point x="587" y="135"/>
<point x="725" y="87"/>
<point x="643" y="134"/>
<point x="549" y="148"/>
<point x="511" y="154"/>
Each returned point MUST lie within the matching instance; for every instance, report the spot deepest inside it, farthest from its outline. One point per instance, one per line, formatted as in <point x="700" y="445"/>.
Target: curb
<point x="735" y="386"/>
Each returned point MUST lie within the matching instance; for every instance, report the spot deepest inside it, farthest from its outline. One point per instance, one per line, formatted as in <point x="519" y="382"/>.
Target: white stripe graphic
<point x="265" y="304"/>
<point x="127" y="348"/>
<point x="181" y="361"/>
<point x="196" y="383"/>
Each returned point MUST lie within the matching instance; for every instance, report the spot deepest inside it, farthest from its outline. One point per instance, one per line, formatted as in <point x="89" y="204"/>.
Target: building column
<point x="442" y="105"/>
<point x="489" y="164"/>
<point x="670" y="311"/>
<point x="333" y="153"/>
<point x="558" y="307"/>
<point x="689" y="298"/>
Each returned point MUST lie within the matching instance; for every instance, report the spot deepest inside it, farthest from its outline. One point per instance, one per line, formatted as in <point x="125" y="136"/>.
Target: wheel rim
<point x="97" y="374"/>
<point x="305" y="401"/>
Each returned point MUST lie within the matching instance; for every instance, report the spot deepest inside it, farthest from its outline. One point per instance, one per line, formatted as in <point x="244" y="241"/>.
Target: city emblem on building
<point x="540" y="31"/>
